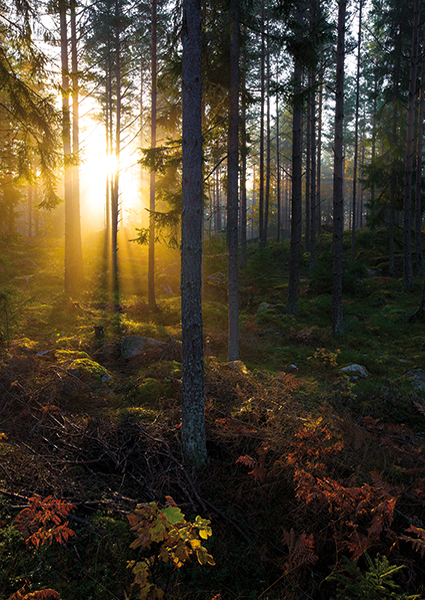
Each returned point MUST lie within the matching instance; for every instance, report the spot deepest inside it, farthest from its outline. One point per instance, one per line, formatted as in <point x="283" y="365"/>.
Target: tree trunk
<point x="356" y="139"/>
<point x="151" y="260"/>
<point x="319" y="157"/>
<point x="294" y="260"/>
<point x="278" y="187"/>
<point x="193" y="423"/>
<point x="244" y="153"/>
<point x="116" y="175"/>
<point x="307" y="175"/>
<point x="313" y="226"/>
<point x="261" y="183"/>
<point x="72" y="282"/>
<point x="268" y="153"/>
<point x="338" y="201"/>
<point x="232" y="184"/>
<point x="418" y="206"/>
<point x="407" y="228"/>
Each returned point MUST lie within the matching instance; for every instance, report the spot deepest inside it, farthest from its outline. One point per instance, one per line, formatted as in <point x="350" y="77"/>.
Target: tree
<point x="338" y="201"/>
<point x="294" y="261"/>
<point x="232" y="184"/>
<point x="73" y="253"/>
<point x="356" y="138"/>
<point x="193" y="422"/>
<point x="151" y="265"/>
<point x="407" y="229"/>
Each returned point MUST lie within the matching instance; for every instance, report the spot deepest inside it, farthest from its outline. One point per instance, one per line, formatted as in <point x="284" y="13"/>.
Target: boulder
<point x="263" y="306"/>
<point x="134" y="345"/>
<point x="354" y="371"/>
<point x="417" y="379"/>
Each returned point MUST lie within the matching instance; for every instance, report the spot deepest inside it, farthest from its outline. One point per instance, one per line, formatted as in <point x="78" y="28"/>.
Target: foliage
<point x="173" y="538"/>
<point x="376" y="583"/>
<point x="325" y="358"/>
<point x="41" y="523"/>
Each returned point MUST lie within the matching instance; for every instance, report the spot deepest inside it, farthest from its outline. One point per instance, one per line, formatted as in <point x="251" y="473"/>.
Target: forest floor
<point x="316" y="480"/>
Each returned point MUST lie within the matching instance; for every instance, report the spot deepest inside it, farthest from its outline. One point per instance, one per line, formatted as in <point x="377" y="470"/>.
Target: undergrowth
<point x="316" y="481"/>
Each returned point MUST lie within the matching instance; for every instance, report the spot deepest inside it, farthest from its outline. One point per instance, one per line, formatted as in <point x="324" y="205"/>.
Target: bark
<point x="151" y="259"/>
<point x="116" y="175"/>
<point x="261" y="183"/>
<point x="76" y="143"/>
<point x="294" y="260"/>
<point x="393" y="183"/>
<point x="278" y="186"/>
<point x="356" y="139"/>
<point x="418" y="206"/>
<point x="232" y="185"/>
<point x="319" y="157"/>
<point x="407" y="228"/>
<point x="71" y="266"/>
<point x="30" y="208"/>
<point x="268" y="153"/>
<point x="193" y="423"/>
<point x="313" y="226"/>
<point x="307" y="176"/>
<point x="244" y="153"/>
<point x="338" y="201"/>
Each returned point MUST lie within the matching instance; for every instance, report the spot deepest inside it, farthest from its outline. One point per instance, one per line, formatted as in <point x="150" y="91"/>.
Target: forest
<point x="212" y="300"/>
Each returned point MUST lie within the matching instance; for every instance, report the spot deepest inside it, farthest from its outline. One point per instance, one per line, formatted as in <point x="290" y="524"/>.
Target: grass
<point x="84" y="424"/>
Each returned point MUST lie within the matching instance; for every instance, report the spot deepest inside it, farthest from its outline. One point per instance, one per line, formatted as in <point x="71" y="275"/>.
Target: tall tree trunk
<point x="116" y="175"/>
<point x="261" y="183"/>
<point x="313" y="227"/>
<point x="30" y="208"/>
<point x="338" y="202"/>
<point x="418" y="205"/>
<point x="407" y="228"/>
<point x="76" y="137"/>
<point x="232" y="184"/>
<point x="268" y="150"/>
<point x="294" y="260"/>
<point x="151" y="265"/>
<point x="393" y="183"/>
<point x="278" y="174"/>
<point x="193" y="422"/>
<point x="72" y="282"/>
<point x="307" y="175"/>
<point x="244" y="154"/>
<point x="319" y="157"/>
<point x="356" y="138"/>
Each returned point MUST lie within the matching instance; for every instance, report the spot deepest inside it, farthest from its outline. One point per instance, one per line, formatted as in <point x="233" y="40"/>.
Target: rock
<point x="106" y="378"/>
<point x="417" y="379"/>
<point x="354" y="371"/>
<point x="263" y="307"/>
<point x="133" y="345"/>
<point x="239" y="366"/>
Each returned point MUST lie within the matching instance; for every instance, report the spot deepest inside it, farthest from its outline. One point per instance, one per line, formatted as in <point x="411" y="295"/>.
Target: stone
<point x="417" y="379"/>
<point x="134" y="345"/>
<point x="354" y="371"/>
<point x="263" y="306"/>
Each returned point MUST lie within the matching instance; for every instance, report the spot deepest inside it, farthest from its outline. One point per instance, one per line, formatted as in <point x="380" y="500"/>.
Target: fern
<point x="300" y="553"/>
<point x="375" y="584"/>
<point x="41" y="523"/>
<point x="418" y="543"/>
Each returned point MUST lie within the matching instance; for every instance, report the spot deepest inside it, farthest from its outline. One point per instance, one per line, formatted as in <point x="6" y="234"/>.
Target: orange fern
<point x="300" y="552"/>
<point x="41" y="523"/>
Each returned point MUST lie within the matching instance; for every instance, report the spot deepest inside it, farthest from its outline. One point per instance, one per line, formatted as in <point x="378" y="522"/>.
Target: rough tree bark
<point x="338" y="201"/>
<point x="232" y="184"/>
<point x="407" y="228"/>
<point x="193" y="423"/>
<point x="151" y="259"/>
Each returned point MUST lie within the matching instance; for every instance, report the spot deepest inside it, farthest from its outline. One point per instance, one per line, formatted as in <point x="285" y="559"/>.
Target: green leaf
<point x="173" y="514"/>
